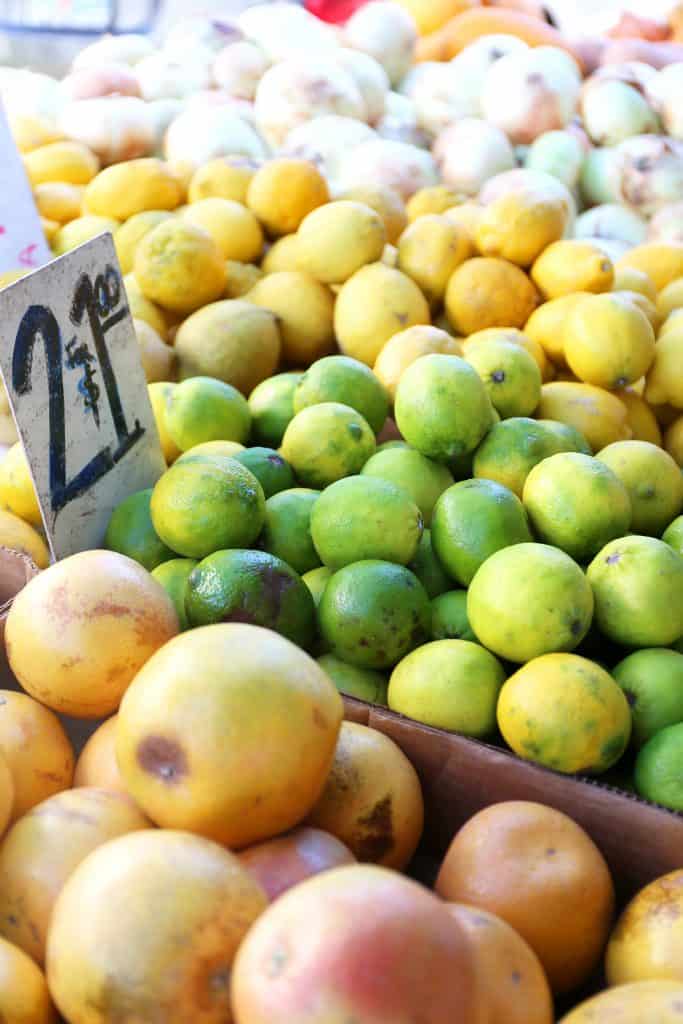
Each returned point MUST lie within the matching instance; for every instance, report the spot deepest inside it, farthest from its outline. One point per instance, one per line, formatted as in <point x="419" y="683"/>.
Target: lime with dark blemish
<point x="363" y="683"/>
<point x="652" y="680"/>
<point x="428" y="568"/>
<point x="270" y="469"/>
<point x="272" y="407"/>
<point x="253" y="587"/>
<point x="423" y="479"/>
<point x="345" y="380"/>
<point x="326" y="442"/>
<point x="131" y="532"/>
<point x="287" y="528"/>
<point x="373" y="612"/>
<point x="449" y="617"/>
<point x="658" y="771"/>
<point x="173" y="576"/>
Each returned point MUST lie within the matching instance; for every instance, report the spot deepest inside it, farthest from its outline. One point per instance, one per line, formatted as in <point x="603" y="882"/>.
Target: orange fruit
<point x="96" y="765"/>
<point x="37" y="750"/>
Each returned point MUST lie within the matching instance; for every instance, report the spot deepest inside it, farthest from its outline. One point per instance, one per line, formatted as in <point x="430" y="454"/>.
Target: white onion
<point x="239" y="68"/>
<point x="115" y="127"/>
<point x="326" y="142"/>
<point x="471" y="151"/>
<point x="200" y="135"/>
<point x="385" y="31"/>
<point x="397" y="165"/>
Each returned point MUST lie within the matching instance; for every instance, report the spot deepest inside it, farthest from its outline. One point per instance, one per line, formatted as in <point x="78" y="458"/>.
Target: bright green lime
<point x="204" y="409"/>
<point x="272" y="407"/>
<point x="566" y="437"/>
<point x="428" y="568"/>
<point x="658" y="773"/>
<point x="423" y="479"/>
<point x="449" y="617"/>
<point x="363" y="683"/>
<point x="652" y="680"/>
<point x="345" y="380"/>
<point x="287" y="529"/>
<point x="673" y="535"/>
<point x="173" y="577"/>
<point x="269" y="468"/>
<point x="131" y="532"/>
<point x="510" y="451"/>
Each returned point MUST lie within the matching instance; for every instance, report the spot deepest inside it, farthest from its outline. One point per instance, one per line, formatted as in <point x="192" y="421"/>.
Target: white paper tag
<point x="22" y="242"/>
<point x="70" y="361"/>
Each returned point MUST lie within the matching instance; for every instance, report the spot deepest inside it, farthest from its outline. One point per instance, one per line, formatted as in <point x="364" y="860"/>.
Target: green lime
<point x="449" y="617"/>
<point x="652" y="680"/>
<point x="428" y="568"/>
<point x="363" y="517"/>
<point x="326" y="442"/>
<point x="173" y="576"/>
<point x="131" y="532"/>
<point x="204" y="409"/>
<point x="511" y="376"/>
<point x="658" y="773"/>
<point x="395" y="443"/>
<point x="653" y="481"/>
<point x="638" y="587"/>
<point x="272" y="407"/>
<point x="363" y="683"/>
<point x="211" y="449"/>
<point x="510" y="451"/>
<point x="472" y="520"/>
<point x="449" y="684"/>
<point x="200" y="507"/>
<point x="577" y="503"/>
<point x="423" y="479"/>
<point x="269" y="468"/>
<point x="442" y="408"/>
<point x="673" y="535"/>
<point x="372" y="613"/>
<point x="254" y="587"/>
<point x="345" y="380"/>
<point x="287" y="529"/>
<point x="316" y="580"/>
<point x="566" y="437"/>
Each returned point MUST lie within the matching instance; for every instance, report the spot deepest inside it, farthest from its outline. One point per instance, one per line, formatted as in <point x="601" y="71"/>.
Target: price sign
<point x="70" y="361"/>
<point x="22" y="243"/>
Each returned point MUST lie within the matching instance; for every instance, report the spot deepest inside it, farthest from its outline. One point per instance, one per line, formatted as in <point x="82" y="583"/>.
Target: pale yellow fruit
<point x="633" y="280"/>
<point x="158" y="359"/>
<point x="673" y="441"/>
<point x="282" y="255"/>
<point x="572" y="266"/>
<point x="641" y="419"/>
<point x="50" y="229"/>
<point x="372" y="306"/>
<point x="61" y="161"/>
<point x="429" y="251"/>
<point x="338" y="239"/>
<point x="31" y="132"/>
<point x="8" y="429"/>
<point x="241" y="278"/>
<point x="124" y="189"/>
<point x="433" y="199"/>
<point x="24" y="995"/>
<point x="233" y="227"/>
<point x="404" y="348"/>
<point x="466" y="216"/>
<point x="546" y="325"/>
<point x="641" y="1002"/>
<point x="384" y="201"/>
<point x="130" y="234"/>
<point x="488" y="292"/>
<point x="518" y="226"/>
<point x="661" y="261"/>
<point x="390" y="255"/>
<point x="664" y="385"/>
<point x="142" y="308"/>
<point x="517" y="337"/>
<point x="227" y="177"/>
<point x="674" y="321"/>
<point x="81" y="230"/>
<point x="17" y="492"/>
<point x="643" y="303"/>
<point x="283" y="192"/>
<point x="18" y="535"/>
<point x="305" y="311"/>
<point x="430" y="15"/>
<point x="159" y="395"/>
<point x="596" y="413"/>
<point x="58" y="200"/>
<point x="608" y="341"/>
<point x="670" y="298"/>
<point x="179" y="266"/>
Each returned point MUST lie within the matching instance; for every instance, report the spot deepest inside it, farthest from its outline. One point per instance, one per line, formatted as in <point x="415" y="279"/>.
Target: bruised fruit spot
<point x="551" y="851"/>
<point x="611" y="559"/>
<point x="319" y="719"/>
<point x="162" y="757"/>
<point x="576" y="627"/>
<point x="276" y="460"/>
<point x="355" y="431"/>
<point x="240" y="615"/>
<point x="376" y="836"/>
<point x="275" y="585"/>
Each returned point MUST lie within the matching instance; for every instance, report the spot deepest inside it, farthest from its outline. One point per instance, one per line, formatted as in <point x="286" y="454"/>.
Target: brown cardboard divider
<point x="460" y="776"/>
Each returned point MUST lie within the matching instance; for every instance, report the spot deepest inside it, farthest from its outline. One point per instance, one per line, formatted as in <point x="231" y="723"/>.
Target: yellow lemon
<point x="515" y="337"/>
<point x="180" y="267"/>
<point x="31" y="132"/>
<point x="608" y="341"/>
<point x="639" y="1003"/>
<point x="643" y="303"/>
<point x="384" y="201"/>
<point x="58" y="200"/>
<point x="159" y="396"/>
<point x="24" y="995"/>
<point x="305" y="311"/>
<point x="430" y="15"/>
<point x="518" y="226"/>
<point x="429" y="251"/>
<point x="405" y="347"/>
<point x="61" y="161"/>
<point x="158" y="359"/>
<point x="466" y="216"/>
<point x="124" y="189"/>
<point x="10" y="276"/>
<point x="546" y="325"/>
<point x="373" y="305"/>
<point x="282" y="255"/>
<point x="641" y="419"/>
<point x="633" y="280"/>
<point x="81" y="230"/>
<point x="674" y="321"/>
<point x="241" y="278"/>
<point x="673" y="441"/>
<point x="664" y="383"/>
<point x="17" y="534"/>
<point x="17" y="492"/>
<point x="50" y="229"/>
<point x="670" y="298"/>
<point x="594" y="412"/>
<point x="661" y="261"/>
<point x="233" y="227"/>
<point x="338" y="239"/>
<point x="227" y="177"/>
<point x="433" y="199"/>
<point x="130" y="234"/>
<point x="142" y="308"/>
<point x="572" y="266"/>
<point x="487" y="292"/>
<point x="283" y="191"/>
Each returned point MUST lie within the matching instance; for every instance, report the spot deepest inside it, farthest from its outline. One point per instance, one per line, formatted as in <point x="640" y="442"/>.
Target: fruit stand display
<point x="406" y="601"/>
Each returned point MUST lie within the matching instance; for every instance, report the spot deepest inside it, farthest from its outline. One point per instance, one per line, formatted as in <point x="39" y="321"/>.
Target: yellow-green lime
<point x="449" y="684"/>
<point x="577" y="503"/>
<point x="424" y="479"/>
<point x="173" y="576"/>
<point x="131" y="532"/>
<point x="363" y="517"/>
<point x="638" y="586"/>
<point x="362" y="683"/>
<point x="345" y="380"/>
<point x="472" y="520"/>
<point x="659" y="768"/>
<point x="326" y="442"/>
<point x="673" y="535"/>
<point x="287" y="528"/>
<point x="652" y="681"/>
<point x="253" y="587"/>
<point x="566" y="437"/>
<point x="209" y="449"/>
<point x="652" y="479"/>
<point x="510" y="450"/>
<point x="449" y="617"/>
<point x="316" y="580"/>
<point x="204" y="409"/>
<point x="511" y="376"/>
<point x="372" y="613"/>
<point x="428" y="569"/>
<point x="200" y="506"/>
<point x="271" y="404"/>
<point x="270" y="469"/>
<point x="442" y="408"/>
<point x="529" y="599"/>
